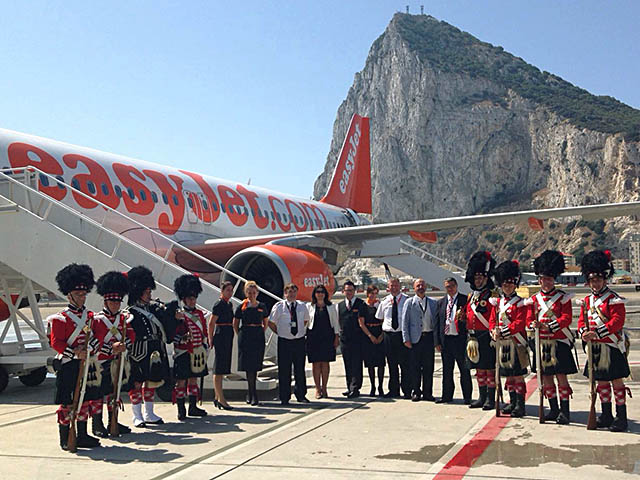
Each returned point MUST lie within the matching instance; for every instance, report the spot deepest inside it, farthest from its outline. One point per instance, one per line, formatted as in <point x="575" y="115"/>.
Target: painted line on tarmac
<point x="12" y="412"/>
<point x="30" y="419"/>
<point x="463" y="460"/>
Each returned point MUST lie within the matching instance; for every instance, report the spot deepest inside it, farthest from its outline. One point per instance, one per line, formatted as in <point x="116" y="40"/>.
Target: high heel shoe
<point x="222" y="406"/>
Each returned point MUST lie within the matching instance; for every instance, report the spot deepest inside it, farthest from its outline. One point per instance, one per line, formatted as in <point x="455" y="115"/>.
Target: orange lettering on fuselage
<point x="98" y="176"/>
<point x="260" y="221"/>
<point x="19" y="157"/>
<point x="165" y="224"/>
<point x="285" y="227"/>
<point x="315" y="210"/>
<point x="293" y="216"/>
<point x="137" y="204"/>
<point x="230" y="199"/>
<point x="214" y="212"/>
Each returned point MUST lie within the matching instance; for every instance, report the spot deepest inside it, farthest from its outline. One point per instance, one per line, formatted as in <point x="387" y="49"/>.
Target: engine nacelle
<point x="273" y="266"/>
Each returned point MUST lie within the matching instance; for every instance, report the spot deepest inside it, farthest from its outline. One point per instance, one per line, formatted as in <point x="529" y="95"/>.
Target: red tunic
<point x="63" y="327"/>
<point x="613" y="313"/>
<point x="558" y="318"/>
<point x="108" y="330"/>
<point x="483" y="307"/>
<point x="195" y="324"/>
<point x="514" y="323"/>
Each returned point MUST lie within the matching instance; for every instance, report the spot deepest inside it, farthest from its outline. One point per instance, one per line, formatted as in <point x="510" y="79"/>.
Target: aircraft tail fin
<point x="350" y="185"/>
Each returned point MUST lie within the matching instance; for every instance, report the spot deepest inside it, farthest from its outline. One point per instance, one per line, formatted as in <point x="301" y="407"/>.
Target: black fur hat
<point x="509" y="270"/>
<point x="187" y="286"/>
<point x="480" y="262"/>
<point x="597" y="264"/>
<point x="140" y="278"/>
<point x="75" y="277"/>
<point x="550" y="264"/>
<point x="113" y="286"/>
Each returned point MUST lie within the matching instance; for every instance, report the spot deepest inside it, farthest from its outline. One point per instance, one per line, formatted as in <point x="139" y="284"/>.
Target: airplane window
<point x="143" y="195"/>
<point x="253" y="212"/>
<point x="204" y="205"/>
<point x="222" y="208"/>
<point x="154" y="197"/>
<point x="175" y="200"/>
<point x="214" y="206"/>
<point x="278" y="214"/>
<point x="130" y="192"/>
<point x="118" y="191"/>
<point x="273" y="217"/>
<point x="60" y="182"/>
<point x="104" y="188"/>
<point x="92" y="188"/>
<point x="319" y="224"/>
<point x="190" y="202"/>
<point x="284" y="217"/>
<point x="75" y="184"/>
<point x="165" y="199"/>
<point x="44" y="180"/>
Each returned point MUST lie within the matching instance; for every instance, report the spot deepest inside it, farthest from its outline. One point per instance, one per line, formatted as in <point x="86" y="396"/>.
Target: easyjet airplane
<point x="263" y="235"/>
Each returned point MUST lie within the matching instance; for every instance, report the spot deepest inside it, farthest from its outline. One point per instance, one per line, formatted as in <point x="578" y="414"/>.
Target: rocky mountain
<point x="461" y="127"/>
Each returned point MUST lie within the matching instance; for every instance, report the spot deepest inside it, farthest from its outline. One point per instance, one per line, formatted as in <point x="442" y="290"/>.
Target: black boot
<point x="490" y="402"/>
<point x="122" y="429"/>
<point x="194" y="411"/>
<point x="84" y="439"/>
<point x="481" y="399"/>
<point x="565" y="416"/>
<point x="620" y="422"/>
<point x="606" y="418"/>
<point x="97" y="427"/>
<point x="63" y="430"/>
<point x="554" y="412"/>
<point x="182" y="412"/>
<point x="518" y="409"/>
<point x="512" y="403"/>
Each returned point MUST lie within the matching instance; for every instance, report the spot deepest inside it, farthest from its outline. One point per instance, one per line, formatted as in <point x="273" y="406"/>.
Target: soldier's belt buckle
<point x="113" y="330"/>
<point x="86" y="329"/>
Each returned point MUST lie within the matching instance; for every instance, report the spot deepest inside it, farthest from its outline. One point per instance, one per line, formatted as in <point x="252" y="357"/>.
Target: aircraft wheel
<point x="34" y="378"/>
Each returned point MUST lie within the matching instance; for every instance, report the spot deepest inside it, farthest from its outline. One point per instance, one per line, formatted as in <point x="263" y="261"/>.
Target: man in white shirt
<point x="390" y="311"/>
<point x="289" y="319"/>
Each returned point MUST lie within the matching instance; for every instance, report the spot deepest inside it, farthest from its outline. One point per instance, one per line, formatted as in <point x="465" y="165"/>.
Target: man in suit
<point x="350" y="310"/>
<point x="450" y="340"/>
<point x="417" y="323"/>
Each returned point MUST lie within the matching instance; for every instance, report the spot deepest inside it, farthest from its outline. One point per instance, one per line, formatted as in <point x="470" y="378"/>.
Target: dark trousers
<point x="422" y="359"/>
<point x="454" y="351"/>
<point x="397" y="356"/>
<point x="291" y="352"/>
<point x="352" y="358"/>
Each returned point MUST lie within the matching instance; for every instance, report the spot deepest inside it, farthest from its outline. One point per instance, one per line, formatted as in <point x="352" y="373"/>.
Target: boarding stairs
<point x="413" y="260"/>
<point x="40" y="235"/>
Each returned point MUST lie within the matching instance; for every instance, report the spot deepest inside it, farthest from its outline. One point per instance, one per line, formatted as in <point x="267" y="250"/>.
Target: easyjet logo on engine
<point x="315" y="280"/>
<point x="349" y="164"/>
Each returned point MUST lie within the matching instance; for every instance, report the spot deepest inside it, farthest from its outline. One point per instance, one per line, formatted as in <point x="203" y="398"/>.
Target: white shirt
<point x="281" y="316"/>
<point x="426" y="315"/>
<point x="385" y="310"/>
<point x="451" y="321"/>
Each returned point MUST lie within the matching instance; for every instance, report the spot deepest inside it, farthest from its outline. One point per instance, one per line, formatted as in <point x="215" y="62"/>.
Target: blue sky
<point x="250" y="89"/>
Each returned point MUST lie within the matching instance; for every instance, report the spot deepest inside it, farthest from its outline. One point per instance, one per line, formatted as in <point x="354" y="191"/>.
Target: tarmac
<point x="367" y="437"/>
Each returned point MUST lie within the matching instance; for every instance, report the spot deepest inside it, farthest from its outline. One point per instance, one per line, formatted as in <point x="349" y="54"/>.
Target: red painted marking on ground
<point x="462" y="461"/>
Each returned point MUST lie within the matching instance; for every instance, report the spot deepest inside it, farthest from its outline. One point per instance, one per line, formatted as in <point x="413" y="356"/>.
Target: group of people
<point x="100" y="354"/>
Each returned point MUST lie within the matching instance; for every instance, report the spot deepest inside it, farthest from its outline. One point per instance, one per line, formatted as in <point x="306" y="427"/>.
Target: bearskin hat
<point x="480" y="262"/>
<point x="509" y="270"/>
<point x="187" y="286"/>
<point x="75" y="277"/>
<point x="113" y="286"/>
<point x="597" y="263"/>
<point x="140" y="278"/>
<point x="550" y="264"/>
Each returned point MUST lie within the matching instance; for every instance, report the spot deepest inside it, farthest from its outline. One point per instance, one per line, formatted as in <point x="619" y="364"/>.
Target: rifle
<point x="78" y="393"/>
<point x="114" y="431"/>
<point x="591" y="422"/>
<point x="539" y="375"/>
<point x="498" y="382"/>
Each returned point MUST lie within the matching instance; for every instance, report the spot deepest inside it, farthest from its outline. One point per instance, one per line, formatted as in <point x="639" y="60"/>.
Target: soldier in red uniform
<point x="190" y="347"/>
<point x="481" y="354"/>
<point x="69" y="329"/>
<point x="109" y="326"/>
<point x="550" y="311"/>
<point x="602" y="316"/>
<point x="508" y="323"/>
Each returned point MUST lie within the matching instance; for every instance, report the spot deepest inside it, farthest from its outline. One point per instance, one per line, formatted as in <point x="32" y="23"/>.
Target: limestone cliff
<point x="460" y="127"/>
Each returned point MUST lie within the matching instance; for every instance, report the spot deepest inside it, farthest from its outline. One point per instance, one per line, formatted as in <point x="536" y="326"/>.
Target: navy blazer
<point x="441" y="313"/>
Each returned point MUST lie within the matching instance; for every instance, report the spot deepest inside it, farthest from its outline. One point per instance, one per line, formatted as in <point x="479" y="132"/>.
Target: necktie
<point x="394" y="314"/>
<point x="294" y="319"/>
<point x="447" y="323"/>
<point x="348" y="305"/>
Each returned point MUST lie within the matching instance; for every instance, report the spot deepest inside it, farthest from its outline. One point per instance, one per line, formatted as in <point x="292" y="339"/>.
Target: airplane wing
<point x="362" y="233"/>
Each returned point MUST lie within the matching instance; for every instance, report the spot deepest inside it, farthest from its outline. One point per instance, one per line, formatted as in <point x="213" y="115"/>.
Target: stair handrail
<point x="429" y="254"/>
<point x="173" y="243"/>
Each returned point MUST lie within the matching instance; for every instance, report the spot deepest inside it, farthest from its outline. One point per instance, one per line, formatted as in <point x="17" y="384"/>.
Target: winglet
<point x="350" y="185"/>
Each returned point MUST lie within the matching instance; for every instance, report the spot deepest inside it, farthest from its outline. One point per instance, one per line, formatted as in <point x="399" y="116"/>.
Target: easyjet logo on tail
<point x="349" y="165"/>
